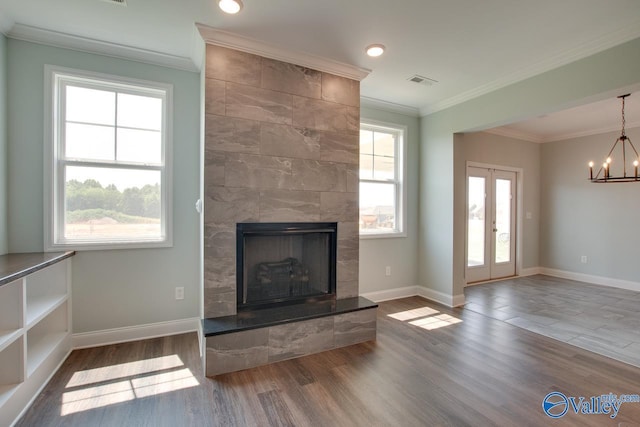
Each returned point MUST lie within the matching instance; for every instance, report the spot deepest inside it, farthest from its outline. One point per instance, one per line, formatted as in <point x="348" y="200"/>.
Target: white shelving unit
<point x="11" y="319"/>
<point x="35" y="330"/>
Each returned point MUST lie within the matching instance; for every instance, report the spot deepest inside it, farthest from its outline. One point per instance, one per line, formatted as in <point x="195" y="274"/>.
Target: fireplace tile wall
<point x="281" y="145"/>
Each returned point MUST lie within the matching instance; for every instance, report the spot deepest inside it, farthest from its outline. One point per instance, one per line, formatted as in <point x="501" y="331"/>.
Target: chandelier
<point x="606" y="167"/>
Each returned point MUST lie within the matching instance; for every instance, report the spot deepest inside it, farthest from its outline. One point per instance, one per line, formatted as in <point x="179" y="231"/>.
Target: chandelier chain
<point x="623" y="118"/>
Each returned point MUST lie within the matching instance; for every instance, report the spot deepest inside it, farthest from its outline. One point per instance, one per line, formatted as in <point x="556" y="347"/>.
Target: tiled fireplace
<point x="281" y="146"/>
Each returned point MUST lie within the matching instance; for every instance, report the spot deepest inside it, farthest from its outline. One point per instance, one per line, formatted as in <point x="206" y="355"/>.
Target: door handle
<point x="495" y="229"/>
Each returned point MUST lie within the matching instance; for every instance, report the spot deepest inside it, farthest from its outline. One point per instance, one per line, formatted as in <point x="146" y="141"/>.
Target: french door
<point x="491" y="224"/>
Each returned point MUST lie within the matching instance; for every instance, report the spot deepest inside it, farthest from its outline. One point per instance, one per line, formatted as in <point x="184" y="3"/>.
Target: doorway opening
<point x="492" y="222"/>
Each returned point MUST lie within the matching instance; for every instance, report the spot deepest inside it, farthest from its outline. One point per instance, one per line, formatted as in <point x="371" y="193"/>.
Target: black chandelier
<point x="605" y="169"/>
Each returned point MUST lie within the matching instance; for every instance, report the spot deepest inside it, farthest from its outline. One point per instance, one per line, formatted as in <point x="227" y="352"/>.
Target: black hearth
<point x="282" y="263"/>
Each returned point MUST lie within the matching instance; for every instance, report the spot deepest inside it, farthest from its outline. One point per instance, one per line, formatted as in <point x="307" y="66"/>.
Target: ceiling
<point x="469" y="47"/>
<point x="589" y="119"/>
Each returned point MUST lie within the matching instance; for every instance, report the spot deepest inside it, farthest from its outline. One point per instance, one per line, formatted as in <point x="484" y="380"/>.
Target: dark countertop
<point x="16" y="266"/>
<point x="280" y="315"/>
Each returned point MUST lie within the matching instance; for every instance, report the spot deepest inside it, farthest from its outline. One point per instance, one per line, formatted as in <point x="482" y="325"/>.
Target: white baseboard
<point x="529" y="271"/>
<point x="379" y="296"/>
<point x="411" y="291"/>
<point x="596" y="280"/>
<point x="458" y="300"/>
<point x="440" y="297"/>
<point x="135" y="333"/>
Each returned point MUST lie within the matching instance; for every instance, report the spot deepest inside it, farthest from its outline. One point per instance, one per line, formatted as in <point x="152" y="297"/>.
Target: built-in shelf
<point x="6" y="391"/>
<point x="34" y="325"/>
<point x="11" y="368"/>
<point x="11" y="309"/>
<point x="41" y="349"/>
<point x="46" y="290"/>
<point x="8" y="337"/>
<point x="39" y="309"/>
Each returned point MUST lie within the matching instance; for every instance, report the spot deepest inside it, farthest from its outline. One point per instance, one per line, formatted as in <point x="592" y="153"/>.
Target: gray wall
<point x="114" y="288"/>
<point x="401" y="253"/>
<point x="500" y="150"/>
<point x="583" y="218"/>
<point x="589" y="79"/>
<point x="4" y="240"/>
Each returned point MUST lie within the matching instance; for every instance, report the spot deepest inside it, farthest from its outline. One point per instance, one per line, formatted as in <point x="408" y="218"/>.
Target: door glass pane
<point x="476" y="215"/>
<point x="503" y="220"/>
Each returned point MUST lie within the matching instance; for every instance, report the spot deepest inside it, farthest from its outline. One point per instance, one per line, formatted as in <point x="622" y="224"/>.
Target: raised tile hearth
<point x="259" y="337"/>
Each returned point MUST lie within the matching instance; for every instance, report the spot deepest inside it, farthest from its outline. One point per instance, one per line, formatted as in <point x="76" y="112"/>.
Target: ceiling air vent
<point x="118" y="2"/>
<point x="425" y="81"/>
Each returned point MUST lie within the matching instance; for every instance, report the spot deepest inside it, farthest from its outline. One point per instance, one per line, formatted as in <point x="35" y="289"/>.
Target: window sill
<point x="373" y="236"/>
<point x="103" y="246"/>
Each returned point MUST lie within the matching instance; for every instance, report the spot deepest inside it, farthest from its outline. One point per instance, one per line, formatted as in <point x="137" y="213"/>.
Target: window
<point x="107" y="162"/>
<point x="381" y="180"/>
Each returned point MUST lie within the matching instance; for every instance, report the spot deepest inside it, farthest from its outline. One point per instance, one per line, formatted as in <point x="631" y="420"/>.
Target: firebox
<point x="282" y="263"/>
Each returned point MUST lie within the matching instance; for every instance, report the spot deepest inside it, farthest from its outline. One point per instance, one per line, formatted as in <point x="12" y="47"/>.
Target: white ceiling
<point x="470" y="47"/>
<point x="589" y="119"/>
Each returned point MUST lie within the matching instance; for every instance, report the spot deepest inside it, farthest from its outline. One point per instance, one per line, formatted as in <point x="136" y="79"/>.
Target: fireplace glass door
<point x="285" y="265"/>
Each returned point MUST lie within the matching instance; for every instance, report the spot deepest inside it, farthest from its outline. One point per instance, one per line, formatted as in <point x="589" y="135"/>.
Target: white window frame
<point x="400" y="180"/>
<point x="54" y="78"/>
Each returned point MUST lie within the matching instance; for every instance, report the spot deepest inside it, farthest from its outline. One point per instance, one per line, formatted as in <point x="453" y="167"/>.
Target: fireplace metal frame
<point x="283" y="229"/>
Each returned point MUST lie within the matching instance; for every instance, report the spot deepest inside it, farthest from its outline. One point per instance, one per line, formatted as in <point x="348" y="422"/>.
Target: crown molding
<point x="570" y="55"/>
<point x="526" y="136"/>
<point x="599" y="131"/>
<point x="245" y="44"/>
<point x="516" y="134"/>
<point x="5" y="24"/>
<point x="198" y="48"/>
<point x="392" y="107"/>
<point x="68" y="41"/>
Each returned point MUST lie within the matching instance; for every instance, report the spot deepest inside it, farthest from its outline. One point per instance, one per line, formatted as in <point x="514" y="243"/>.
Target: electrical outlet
<point x="387" y="271"/>
<point x="180" y="292"/>
<point x="583" y="259"/>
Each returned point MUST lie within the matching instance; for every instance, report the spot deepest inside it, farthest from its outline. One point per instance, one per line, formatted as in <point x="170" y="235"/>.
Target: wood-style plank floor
<point x="601" y="319"/>
<point x="430" y="366"/>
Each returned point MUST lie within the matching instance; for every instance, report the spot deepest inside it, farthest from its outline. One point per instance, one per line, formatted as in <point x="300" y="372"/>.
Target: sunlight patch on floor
<point x="123" y="370"/>
<point x="435" y="322"/>
<point x="413" y="314"/>
<point x="426" y="318"/>
<point x="87" y="394"/>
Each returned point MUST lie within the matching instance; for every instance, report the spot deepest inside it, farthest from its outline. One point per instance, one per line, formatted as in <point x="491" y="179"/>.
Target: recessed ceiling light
<point x="375" y="50"/>
<point x="230" y="6"/>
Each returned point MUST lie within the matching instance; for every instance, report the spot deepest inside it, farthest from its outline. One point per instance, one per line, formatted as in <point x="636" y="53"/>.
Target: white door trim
<point x="519" y="209"/>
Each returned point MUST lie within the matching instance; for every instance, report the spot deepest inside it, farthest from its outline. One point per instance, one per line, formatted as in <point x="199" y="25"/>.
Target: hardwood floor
<point x="597" y="318"/>
<point x="451" y="367"/>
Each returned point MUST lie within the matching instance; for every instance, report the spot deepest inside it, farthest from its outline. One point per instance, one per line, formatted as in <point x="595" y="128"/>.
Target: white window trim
<point x="51" y="162"/>
<point x="401" y="196"/>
